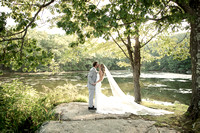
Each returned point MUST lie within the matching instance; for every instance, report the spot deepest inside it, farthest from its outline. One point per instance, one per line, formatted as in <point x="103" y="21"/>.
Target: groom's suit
<point x="92" y="77"/>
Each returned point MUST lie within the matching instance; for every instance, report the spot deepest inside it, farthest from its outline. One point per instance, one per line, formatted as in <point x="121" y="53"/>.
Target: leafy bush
<point x="23" y="109"/>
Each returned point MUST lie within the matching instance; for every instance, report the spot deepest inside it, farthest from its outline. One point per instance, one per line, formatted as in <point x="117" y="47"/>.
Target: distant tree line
<point x="168" y="64"/>
<point x="170" y="54"/>
<point x="80" y="58"/>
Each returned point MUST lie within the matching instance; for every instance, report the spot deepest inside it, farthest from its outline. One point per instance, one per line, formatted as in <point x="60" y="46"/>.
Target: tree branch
<point x="20" y="4"/>
<point x="11" y="39"/>
<point x="26" y="29"/>
<point x="121" y="38"/>
<point x="184" y="6"/>
<point x="145" y="34"/>
<point x="13" y="34"/>
<point x="128" y="23"/>
<point x="182" y="38"/>
<point x="130" y="50"/>
<point x="153" y="37"/>
<point x="178" y="7"/>
<point x="120" y="47"/>
<point x="98" y="3"/>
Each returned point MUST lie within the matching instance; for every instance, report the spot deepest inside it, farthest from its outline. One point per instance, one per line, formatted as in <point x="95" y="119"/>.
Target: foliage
<point x="54" y="67"/>
<point x="59" y="56"/>
<point x="16" y="50"/>
<point x="24" y="13"/>
<point x="31" y="56"/>
<point x="67" y="58"/>
<point x="23" y="109"/>
<point x="66" y="93"/>
<point x="168" y="64"/>
<point x="122" y="21"/>
<point x="126" y="16"/>
<point x="176" y="45"/>
<point x="168" y="54"/>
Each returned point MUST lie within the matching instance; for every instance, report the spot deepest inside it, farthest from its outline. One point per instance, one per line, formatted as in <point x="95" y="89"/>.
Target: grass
<point x="81" y="98"/>
<point x="178" y="120"/>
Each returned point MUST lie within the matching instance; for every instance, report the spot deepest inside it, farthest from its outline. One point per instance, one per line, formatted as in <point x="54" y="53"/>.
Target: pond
<point x="166" y="87"/>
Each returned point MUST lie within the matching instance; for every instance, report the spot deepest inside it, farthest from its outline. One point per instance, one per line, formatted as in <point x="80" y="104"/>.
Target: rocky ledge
<point x="75" y="118"/>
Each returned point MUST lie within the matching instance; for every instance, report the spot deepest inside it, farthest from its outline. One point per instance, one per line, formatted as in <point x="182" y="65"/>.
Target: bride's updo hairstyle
<point x="102" y="68"/>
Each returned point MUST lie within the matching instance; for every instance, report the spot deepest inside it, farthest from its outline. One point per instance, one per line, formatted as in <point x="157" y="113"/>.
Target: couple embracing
<point x="94" y="83"/>
<point x="118" y="102"/>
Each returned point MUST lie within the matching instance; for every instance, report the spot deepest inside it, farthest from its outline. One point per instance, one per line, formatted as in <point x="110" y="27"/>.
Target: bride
<point x="118" y="103"/>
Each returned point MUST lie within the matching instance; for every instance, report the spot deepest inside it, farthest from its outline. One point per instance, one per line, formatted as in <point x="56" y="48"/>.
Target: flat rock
<point x="75" y="118"/>
<point x="79" y="111"/>
<point x="103" y="126"/>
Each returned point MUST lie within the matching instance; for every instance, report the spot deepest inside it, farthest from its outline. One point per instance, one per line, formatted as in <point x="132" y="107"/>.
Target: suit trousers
<point x="91" y="96"/>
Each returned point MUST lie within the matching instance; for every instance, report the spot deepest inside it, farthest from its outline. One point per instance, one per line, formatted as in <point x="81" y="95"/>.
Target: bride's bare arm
<point x="100" y="75"/>
<point x="100" y="78"/>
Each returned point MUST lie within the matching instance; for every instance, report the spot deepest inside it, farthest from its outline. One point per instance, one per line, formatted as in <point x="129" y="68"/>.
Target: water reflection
<point x="167" y="87"/>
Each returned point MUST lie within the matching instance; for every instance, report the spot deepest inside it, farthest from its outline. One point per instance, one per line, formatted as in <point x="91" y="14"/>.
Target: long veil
<point x="116" y="91"/>
<point x="123" y="102"/>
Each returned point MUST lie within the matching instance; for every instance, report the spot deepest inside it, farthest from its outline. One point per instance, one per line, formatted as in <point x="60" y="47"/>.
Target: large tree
<point x="186" y="11"/>
<point x="192" y="8"/>
<point x="123" y="21"/>
<point x="125" y="18"/>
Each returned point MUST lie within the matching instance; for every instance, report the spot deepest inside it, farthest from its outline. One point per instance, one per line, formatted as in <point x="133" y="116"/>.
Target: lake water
<point x="166" y="87"/>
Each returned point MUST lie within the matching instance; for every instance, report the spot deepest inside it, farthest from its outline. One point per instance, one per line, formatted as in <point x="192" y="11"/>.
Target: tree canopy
<point x="119" y="20"/>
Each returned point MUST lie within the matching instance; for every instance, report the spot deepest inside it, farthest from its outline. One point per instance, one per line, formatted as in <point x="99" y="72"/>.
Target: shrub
<point x="23" y="109"/>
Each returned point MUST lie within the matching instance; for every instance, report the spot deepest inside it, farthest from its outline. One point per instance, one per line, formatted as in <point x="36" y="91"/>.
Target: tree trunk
<point x="193" y="109"/>
<point x="136" y="71"/>
<point x="135" y="63"/>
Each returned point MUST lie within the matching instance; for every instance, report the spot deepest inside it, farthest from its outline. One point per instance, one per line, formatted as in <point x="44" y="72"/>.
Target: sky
<point x="46" y="26"/>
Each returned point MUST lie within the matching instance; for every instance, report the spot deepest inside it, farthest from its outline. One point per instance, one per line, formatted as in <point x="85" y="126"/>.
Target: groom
<point x="92" y="76"/>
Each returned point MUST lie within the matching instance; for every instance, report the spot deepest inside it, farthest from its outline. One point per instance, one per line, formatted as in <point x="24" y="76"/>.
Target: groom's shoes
<point x="92" y="108"/>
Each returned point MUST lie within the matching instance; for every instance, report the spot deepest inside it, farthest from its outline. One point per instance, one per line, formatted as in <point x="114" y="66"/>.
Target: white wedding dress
<point x="120" y="103"/>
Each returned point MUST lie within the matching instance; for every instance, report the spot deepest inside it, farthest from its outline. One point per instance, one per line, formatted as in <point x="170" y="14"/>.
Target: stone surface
<point x="75" y="118"/>
<point x="103" y="126"/>
<point x="79" y="111"/>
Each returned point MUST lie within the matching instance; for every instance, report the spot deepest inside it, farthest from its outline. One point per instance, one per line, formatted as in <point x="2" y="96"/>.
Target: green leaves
<point x="32" y="55"/>
<point x="67" y="11"/>
<point x="92" y="7"/>
<point x="38" y="49"/>
<point x="176" y="46"/>
<point x="2" y="22"/>
<point x="20" y="102"/>
<point x="91" y="16"/>
<point x="73" y="44"/>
